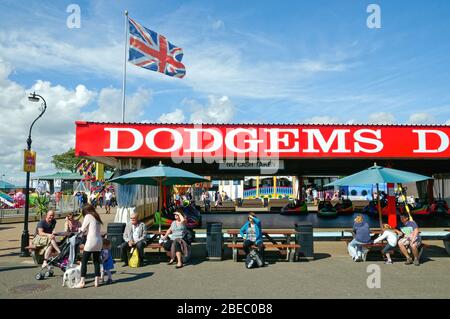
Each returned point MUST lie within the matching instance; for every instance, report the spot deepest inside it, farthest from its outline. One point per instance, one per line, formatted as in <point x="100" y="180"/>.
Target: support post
<point x="392" y="211"/>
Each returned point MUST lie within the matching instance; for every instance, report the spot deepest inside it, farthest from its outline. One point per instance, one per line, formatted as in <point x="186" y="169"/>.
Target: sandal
<point x="178" y="267"/>
<point x="170" y="262"/>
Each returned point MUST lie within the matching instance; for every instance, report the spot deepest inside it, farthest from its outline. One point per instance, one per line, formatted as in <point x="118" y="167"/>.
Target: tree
<point x="66" y="161"/>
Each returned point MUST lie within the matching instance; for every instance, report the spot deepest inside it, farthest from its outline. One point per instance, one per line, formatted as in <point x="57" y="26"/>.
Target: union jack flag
<point x="152" y="51"/>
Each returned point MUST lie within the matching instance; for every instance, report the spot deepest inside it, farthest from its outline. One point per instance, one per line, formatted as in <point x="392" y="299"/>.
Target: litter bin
<point x="305" y="239"/>
<point x="447" y="244"/>
<point x="214" y="241"/>
<point x="115" y="235"/>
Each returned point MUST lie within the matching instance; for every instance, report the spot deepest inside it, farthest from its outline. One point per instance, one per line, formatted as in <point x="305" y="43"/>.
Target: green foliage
<point x="42" y="203"/>
<point x="66" y="161"/>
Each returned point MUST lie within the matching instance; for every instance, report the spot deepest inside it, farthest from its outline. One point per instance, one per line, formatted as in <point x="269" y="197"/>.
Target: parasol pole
<point x="379" y="207"/>
<point x="159" y="202"/>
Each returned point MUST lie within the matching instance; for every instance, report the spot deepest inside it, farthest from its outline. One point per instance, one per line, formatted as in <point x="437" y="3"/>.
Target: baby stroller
<point x="61" y="260"/>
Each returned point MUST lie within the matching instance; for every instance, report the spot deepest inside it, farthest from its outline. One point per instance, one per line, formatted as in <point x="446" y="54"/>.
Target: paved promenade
<point x="331" y="275"/>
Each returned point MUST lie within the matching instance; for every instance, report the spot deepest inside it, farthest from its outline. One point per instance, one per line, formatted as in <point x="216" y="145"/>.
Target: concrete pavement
<point x="331" y="275"/>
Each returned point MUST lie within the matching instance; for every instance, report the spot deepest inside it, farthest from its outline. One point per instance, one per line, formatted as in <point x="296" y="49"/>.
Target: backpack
<point x="253" y="260"/>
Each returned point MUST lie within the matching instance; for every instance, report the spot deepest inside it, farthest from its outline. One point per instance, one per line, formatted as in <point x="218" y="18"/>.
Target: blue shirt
<point x="362" y="231"/>
<point x="47" y="228"/>
<point x="257" y="227"/>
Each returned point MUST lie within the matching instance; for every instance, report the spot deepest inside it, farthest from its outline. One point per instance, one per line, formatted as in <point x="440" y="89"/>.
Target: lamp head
<point x="33" y="98"/>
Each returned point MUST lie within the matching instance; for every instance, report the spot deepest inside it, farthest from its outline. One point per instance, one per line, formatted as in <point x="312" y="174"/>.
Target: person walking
<point x="94" y="242"/>
<point x="108" y="199"/>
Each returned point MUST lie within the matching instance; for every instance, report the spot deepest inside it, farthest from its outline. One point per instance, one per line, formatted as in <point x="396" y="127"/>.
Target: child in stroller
<point x="61" y="260"/>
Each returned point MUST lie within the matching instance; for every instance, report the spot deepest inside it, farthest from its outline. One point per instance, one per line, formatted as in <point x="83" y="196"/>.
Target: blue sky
<point x="246" y="61"/>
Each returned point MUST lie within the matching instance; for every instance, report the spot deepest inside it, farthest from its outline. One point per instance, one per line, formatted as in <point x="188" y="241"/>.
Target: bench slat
<point x="266" y="246"/>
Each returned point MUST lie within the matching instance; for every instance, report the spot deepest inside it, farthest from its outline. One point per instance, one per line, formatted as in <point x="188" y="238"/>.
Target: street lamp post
<point x="33" y="97"/>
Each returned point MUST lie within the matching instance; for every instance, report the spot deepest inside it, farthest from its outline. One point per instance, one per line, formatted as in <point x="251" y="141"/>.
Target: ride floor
<point x="276" y="220"/>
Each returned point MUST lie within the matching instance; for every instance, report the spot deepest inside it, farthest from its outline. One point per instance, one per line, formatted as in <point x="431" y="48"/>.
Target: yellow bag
<point x="134" y="259"/>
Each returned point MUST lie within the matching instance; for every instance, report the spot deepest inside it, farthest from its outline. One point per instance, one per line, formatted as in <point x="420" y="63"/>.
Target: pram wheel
<point x="50" y="273"/>
<point x="39" y="276"/>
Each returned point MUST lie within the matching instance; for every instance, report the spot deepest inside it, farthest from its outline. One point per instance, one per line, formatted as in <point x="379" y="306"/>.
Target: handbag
<point x="134" y="258"/>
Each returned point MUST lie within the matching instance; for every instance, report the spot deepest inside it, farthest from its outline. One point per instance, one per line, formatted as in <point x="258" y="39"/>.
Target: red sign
<point x="261" y="141"/>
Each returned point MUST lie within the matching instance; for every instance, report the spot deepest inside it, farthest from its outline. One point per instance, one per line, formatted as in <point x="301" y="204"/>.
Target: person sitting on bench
<point x="175" y="245"/>
<point x="134" y="236"/>
<point x="411" y="239"/>
<point x="391" y="236"/>
<point x="361" y="232"/>
<point x="251" y="231"/>
<point x="45" y="236"/>
<point x="73" y="226"/>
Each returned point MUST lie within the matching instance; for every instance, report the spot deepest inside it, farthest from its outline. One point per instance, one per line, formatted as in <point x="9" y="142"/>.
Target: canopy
<point x="378" y="174"/>
<point x="159" y="175"/>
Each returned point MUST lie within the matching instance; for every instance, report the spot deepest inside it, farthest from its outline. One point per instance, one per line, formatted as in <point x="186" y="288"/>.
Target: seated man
<point x="251" y="231"/>
<point x="361" y="233"/>
<point x="45" y="236"/>
<point x="411" y="239"/>
<point x="134" y="236"/>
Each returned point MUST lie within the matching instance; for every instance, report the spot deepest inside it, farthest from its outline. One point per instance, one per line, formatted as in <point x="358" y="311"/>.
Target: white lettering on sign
<point x="361" y="139"/>
<point x="253" y="143"/>
<point x="194" y="142"/>
<point x="422" y="138"/>
<point x="176" y="136"/>
<point x="275" y="139"/>
<point x="114" y="139"/>
<point x="316" y="135"/>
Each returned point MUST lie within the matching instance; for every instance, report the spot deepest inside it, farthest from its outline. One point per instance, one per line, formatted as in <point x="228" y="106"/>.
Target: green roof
<point x="67" y="176"/>
<point x="6" y="185"/>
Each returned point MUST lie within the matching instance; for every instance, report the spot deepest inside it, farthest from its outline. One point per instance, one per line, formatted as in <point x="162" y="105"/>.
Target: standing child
<point x="391" y="237"/>
<point x="107" y="261"/>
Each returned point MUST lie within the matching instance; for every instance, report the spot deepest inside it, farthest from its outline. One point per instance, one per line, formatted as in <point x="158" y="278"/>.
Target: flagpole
<point x="124" y="66"/>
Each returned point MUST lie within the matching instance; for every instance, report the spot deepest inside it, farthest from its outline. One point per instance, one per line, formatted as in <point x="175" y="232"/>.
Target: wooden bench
<point x="381" y="245"/>
<point x="289" y="248"/>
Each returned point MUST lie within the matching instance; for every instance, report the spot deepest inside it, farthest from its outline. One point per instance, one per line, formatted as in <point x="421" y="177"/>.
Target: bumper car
<point x="440" y="207"/>
<point x="346" y="207"/>
<point x="295" y="208"/>
<point x="326" y="209"/>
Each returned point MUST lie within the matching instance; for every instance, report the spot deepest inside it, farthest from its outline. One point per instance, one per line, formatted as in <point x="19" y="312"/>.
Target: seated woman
<point x="251" y="231"/>
<point x="46" y="236"/>
<point x="176" y="245"/>
<point x="72" y="226"/>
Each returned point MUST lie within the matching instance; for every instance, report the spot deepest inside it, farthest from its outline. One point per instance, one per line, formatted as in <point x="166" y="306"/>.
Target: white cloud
<point x="110" y="106"/>
<point x="448" y="122"/>
<point x="322" y="120"/>
<point x="54" y="132"/>
<point x="176" y="116"/>
<point x="421" y="118"/>
<point x="381" y="118"/>
<point x="218" y="24"/>
<point x="218" y="110"/>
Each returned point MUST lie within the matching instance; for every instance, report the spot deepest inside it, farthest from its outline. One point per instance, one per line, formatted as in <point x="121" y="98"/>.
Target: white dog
<point x="72" y="276"/>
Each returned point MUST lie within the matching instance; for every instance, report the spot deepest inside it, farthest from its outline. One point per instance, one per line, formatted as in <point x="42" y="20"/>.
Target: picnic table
<point x="283" y="245"/>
